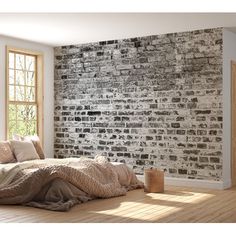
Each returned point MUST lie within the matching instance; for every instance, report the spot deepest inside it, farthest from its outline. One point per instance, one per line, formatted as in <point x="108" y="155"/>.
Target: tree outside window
<point x="22" y="94"/>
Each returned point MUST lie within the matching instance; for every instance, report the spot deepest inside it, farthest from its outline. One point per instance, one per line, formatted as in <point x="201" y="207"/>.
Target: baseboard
<point x="192" y="183"/>
<point x="227" y="184"/>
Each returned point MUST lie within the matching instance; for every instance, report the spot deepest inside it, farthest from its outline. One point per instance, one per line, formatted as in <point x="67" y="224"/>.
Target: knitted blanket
<point x="60" y="184"/>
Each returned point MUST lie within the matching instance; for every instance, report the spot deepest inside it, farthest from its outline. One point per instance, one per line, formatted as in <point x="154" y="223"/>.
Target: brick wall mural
<point x="147" y="101"/>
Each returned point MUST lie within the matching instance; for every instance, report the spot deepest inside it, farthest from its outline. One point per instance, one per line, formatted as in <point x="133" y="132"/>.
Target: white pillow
<point x="17" y="137"/>
<point x="35" y="140"/>
<point x="24" y="150"/>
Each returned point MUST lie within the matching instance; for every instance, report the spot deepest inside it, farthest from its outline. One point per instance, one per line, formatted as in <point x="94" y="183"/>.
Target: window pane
<point x="12" y="128"/>
<point x="32" y="114"/>
<point x="30" y="94"/>
<point x="11" y="77"/>
<point x="20" y="80"/>
<point x="20" y="63"/>
<point x="21" y="112"/>
<point x="30" y="63"/>
<point x="26" y="112"/>
<point x="21" y="128"/>
<point x="20" y="94"/>
<point x="26" y="128"/>
<point x="22" y="119"/>
<point x="30" y="79"/>
<point x="11" y="93"/>
<point x="32" y="128"/>
<point x="11" y="60"/>
<point x="12" y="112"/>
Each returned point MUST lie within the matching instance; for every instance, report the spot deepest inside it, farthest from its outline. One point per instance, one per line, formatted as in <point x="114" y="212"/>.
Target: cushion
<point x="6" y="154"/>
<point x="24" y="150"/>
<point x="18" y="137"/>
<point x="35" y="140"/>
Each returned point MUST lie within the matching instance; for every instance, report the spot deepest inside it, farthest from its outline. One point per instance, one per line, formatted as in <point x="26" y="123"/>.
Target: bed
<point x="59" y="184"/>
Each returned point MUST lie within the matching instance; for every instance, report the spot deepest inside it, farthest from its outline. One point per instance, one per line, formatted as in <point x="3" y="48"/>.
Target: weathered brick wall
<point x="149" y="101"/>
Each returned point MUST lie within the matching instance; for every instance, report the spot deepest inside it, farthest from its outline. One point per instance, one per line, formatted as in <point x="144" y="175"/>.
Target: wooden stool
<point x="154" y="180"/>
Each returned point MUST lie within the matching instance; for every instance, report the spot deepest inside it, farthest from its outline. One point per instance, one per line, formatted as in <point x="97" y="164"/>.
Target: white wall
<point x="48" y="87"/>
<point x="229" y="54"/>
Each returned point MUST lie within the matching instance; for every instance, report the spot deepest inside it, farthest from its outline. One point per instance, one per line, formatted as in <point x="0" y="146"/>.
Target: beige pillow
<point x="6" y="154"/>
<point x="35" y="140"/>
<point x="24" y="150"/>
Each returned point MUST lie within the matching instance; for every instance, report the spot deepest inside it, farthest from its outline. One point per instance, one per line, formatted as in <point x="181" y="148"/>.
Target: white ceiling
<point x="56" y="29"/>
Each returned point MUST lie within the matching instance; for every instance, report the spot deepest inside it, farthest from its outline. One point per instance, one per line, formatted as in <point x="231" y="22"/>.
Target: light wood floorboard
<point x="176" y="204"/>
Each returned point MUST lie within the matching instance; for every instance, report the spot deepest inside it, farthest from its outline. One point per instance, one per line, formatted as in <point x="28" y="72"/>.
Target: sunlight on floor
<point x="158" y="205"/>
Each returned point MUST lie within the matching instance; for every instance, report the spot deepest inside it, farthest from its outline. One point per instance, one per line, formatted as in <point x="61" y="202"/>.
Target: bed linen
<point x="59" y="184"/>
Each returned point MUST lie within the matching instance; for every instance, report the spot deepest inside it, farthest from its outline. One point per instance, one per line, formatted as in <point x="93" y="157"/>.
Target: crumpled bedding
<point x="59" y="184"/>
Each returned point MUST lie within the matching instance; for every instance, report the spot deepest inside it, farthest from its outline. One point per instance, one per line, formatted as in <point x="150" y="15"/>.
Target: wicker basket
<point x="154" y="180"/>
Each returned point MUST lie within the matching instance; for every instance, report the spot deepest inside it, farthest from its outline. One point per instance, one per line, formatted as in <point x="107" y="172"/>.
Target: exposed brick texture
<point x="149" y="101"/>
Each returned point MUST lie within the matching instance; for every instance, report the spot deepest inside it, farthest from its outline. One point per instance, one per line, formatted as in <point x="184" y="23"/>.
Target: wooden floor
<point x="177" y="204"/>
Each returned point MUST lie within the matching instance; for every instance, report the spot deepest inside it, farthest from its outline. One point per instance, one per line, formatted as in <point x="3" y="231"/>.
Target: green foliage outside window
<point x="22" y="109"/>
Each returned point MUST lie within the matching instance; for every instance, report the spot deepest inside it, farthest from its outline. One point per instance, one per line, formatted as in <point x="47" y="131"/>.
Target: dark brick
<point x="172" y="171"/>
<point x="182" y="171"/>
<point x="205" y="112"/>
<point x="180" y="132"/>
<point x="134" y="125"/>
<point x="128" y="155"/>
<point x="110" y="42"/>
<point x="134" y="39"/>
<point x="119" y="149"/>
<point x="193" y="159"/>
<point x="213" y="132"/>
<point x="117" y="118"/>
<point x="102" y="43"/>
<point x="120" y="154"/>
<point x="201" y="145"/>
<point x="162" y="113"/>
<point x="214" y="160"/>
<point x="58" y="146"/>
<point x="94" y="113"/>
<point x="173" y="158"/>
<point x="79" y="107"/>
<point x="180" y="118"/>
<point x="102" y="131"/>
<point x="176" y="99"/>
<point x="137" y="44"/>
<point x="100" y="54"/>
<point x="149" y="138"/>
<point x="195" y="152"/>
<point x="140" y="162"/>
<point x="201" y="132"/>
<point x="87" y="130"/>
<point x="77" y="118"/>
<point x="175" y="125"/>
<point x="101" y="142"/>
<point x="203" y="159"/>
<point x="191" y="132"/>
<point x="144" y="156"/>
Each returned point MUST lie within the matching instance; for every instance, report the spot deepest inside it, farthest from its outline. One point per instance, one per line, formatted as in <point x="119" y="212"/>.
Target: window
<point x="24" y="93"/>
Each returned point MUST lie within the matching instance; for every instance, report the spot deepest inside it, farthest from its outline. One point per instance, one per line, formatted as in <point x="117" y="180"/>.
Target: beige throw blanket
<point x="60" y="184"/>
